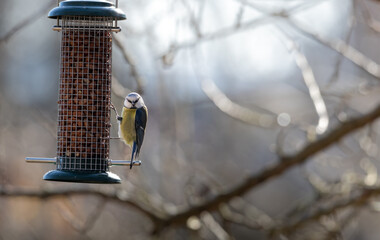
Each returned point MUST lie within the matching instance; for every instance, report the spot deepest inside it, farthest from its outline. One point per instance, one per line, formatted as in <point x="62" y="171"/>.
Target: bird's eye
<point x="129" y="101"/>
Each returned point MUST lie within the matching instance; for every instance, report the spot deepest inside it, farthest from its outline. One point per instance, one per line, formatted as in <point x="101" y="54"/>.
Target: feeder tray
<point x="84" y="100"/>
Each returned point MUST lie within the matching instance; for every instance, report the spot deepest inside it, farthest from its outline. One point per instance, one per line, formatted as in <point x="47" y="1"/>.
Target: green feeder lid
<point x="96" y="8"/>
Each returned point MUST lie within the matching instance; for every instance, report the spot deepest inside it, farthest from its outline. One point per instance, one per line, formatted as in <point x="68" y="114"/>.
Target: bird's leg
<point x="113" y="108"/>
<point x="117" y="114"/>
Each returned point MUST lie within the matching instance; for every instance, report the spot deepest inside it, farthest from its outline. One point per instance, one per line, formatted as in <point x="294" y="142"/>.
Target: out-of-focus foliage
<point x="234" y="88"/>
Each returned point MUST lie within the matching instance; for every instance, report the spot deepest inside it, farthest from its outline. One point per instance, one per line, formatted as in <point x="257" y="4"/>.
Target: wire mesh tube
<point x="84" y="94"/>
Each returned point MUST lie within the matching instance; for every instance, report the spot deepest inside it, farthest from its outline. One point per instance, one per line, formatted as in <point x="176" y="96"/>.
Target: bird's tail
<point x="134" y="151"/>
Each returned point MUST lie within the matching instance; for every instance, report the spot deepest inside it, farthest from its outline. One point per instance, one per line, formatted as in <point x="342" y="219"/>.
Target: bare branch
<point x="130" y="61"/>
<point x="237" y="218"/>
<point x="338" y="227"/>
<point x="355" y="200"/>
<point x="310" y="82"/>
<point x="239" y="16"/>
<point x="251" y="212"/>
<point x="210" y="222"/>
<point x="338" y="45"/>
<point x="31" y="19"/>
<point x="93" y="216"/>
<point x="248" y="216"/>
<point x="168" y="56"/>
<point x="371" y="22"/>
<point x="343" y="48"/>
<point x="285" y="163"/>
<point x="193" y="20"/>
<point x="234" y="110"/>
<point x="118" y="89"/>
<point x="45" y="121"/>
<point x="69" y="214"/>
<point x="82" y="227"/>
<point x="351" y="22"/>
<point x="162" y="222"/>
<point x="116" y="196"/>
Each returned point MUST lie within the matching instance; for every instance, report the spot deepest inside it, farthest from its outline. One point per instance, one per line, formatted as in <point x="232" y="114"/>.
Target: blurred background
<point x="232" y="86"/>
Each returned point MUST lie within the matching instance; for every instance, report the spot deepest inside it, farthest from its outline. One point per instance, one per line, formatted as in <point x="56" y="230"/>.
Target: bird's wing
<point x="140" y="124"/>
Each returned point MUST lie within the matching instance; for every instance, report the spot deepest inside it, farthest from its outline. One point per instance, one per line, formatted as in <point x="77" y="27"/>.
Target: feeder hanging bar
<point x="110" y="161"/>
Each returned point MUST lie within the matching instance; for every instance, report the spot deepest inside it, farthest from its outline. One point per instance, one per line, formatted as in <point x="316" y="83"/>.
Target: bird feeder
<point x="84" y="101"/>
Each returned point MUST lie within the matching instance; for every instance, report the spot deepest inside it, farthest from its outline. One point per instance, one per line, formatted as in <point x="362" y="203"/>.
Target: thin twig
<point x="371" y="22"/>
<point x="237" y="218"/>
<point x="251" y="212"/>
<point x="239" y="16"/>
<point x="193" y="20"/>
<point x="355" y="200"/>
<point x="233" y="109"/>
<point x="93" y="216"/>
<point x="131" y="62"/>
<point x="310" y="82"/>
<point x="351" y="22"/>
<point x="349" y="52"/>
<point x="224" y="32"/>
<point x="167" y="57"/>
<point x="210" y="222"/>
<point x="118" y="89"/>
<point x="82" y="227"/>
<point x="115" y="196"/>
<point x="338" y="45"/>
<point x="27" y="21"/>
<point x="69" y="213"/>
<point x="336" y="233"/>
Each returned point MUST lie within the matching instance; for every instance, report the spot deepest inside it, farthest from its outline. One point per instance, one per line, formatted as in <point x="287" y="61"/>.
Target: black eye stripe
<point x="133" y="102"/>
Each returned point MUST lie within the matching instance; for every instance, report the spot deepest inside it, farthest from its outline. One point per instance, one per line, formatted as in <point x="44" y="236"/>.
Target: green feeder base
<point x="81" y="177"/>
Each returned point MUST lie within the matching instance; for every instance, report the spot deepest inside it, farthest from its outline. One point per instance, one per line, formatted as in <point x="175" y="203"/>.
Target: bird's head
<point x="133" y="101"/>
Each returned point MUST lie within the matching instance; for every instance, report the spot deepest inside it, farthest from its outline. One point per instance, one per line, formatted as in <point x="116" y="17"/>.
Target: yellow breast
<point x="127" y="126"/>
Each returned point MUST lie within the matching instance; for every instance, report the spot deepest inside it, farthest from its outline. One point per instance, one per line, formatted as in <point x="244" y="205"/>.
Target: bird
<point x="132" y="123"/>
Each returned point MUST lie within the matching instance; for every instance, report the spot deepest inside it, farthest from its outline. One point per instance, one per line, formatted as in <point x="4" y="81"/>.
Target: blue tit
<point x="132" y="123"/>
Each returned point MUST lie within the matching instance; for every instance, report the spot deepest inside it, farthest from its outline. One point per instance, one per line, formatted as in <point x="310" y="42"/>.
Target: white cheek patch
<point x="127" y="104"/>
<point x="139" y="105"/>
